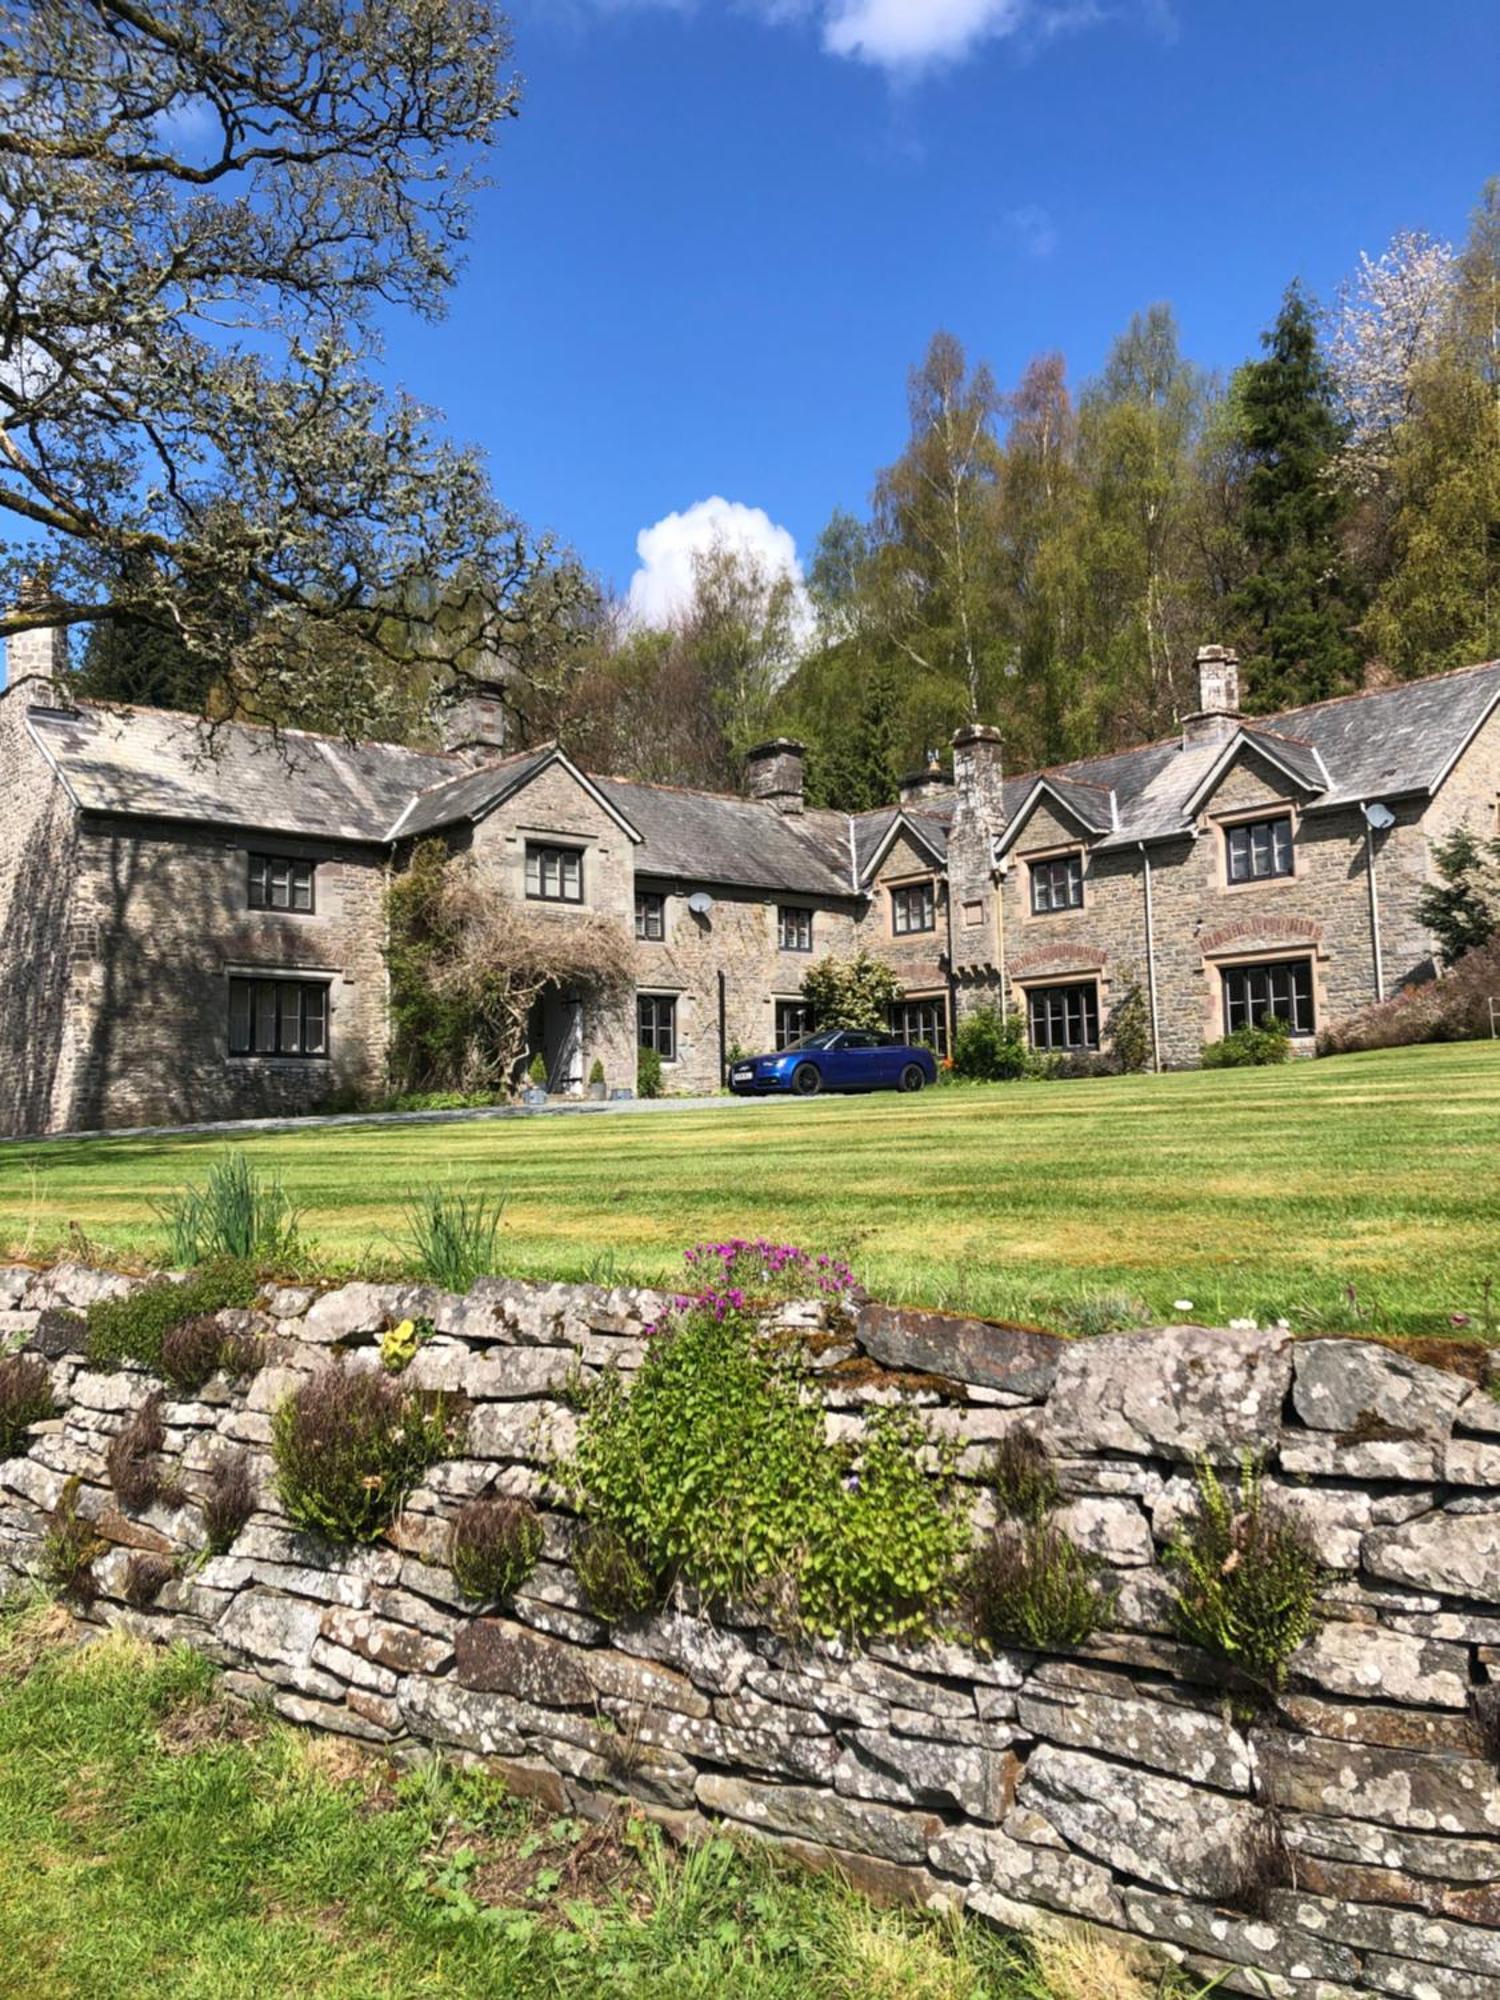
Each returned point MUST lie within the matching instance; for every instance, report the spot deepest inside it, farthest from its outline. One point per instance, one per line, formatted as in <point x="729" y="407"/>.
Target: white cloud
<point x="910" y="34"/>
<point x="663" y="584"/>
<point x="903" y="37"/>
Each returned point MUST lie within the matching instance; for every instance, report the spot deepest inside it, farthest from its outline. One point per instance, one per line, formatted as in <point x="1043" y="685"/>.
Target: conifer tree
<point x="1296" y="607"/>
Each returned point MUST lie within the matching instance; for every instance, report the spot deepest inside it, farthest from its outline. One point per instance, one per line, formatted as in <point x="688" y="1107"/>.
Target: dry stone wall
<point x="1112" y="1784"/>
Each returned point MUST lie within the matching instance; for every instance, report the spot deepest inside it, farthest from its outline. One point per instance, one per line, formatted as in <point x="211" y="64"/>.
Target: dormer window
<point x="1258" y="850"/>
<point x="1056" y="884"/>
<point x="279" y="884"/>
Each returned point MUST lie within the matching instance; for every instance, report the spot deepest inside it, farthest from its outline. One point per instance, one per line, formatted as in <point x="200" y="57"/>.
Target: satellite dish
<point x="700" y="902"/>
<point x="1379" y="817"/>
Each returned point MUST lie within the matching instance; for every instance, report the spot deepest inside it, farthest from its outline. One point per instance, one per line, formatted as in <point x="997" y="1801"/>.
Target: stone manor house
<point x="192" y="930"/>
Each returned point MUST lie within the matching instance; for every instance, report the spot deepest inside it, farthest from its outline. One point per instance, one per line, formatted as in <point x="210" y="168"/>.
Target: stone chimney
<point x="776" y="773"/>
<point x="1218" y="712"/>
<point x="474" y="724"/>
<point x="40" y="653"/>
<point x="922" y="785"/>
<point x="978" y="820"/>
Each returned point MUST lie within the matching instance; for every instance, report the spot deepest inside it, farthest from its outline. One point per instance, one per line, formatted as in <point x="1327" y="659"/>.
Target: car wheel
<point x="912" y="1077"/>
<point x="806" y="1081"/>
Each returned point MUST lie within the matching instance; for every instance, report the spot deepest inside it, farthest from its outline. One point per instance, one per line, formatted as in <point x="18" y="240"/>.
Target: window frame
<point x="651" y="1038"/>
<point x="901" y="892"/>
<point x="541" y="851"/>
<point x="644" y="900"/>
<point x="794" y="922"/>
<point x="1059" y="995"/>
<point x="935" y="1004"/>
<point x="779" y="1034"/>
<point x="1246" y="829"/>
<point x="1252" y="1010"/>
<point x="256" y="859"/>
<point x="255" y="987"/>
<point x="1042" y="867"/>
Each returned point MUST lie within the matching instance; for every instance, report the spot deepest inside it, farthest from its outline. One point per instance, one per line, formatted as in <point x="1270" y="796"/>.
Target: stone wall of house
<point x="1112" y="1783"/>
<point x="163" y="920"/>
<point x="38" y="935"/>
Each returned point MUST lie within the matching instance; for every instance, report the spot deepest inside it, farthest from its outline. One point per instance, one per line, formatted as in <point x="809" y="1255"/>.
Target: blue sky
<point x="723" y="230"/>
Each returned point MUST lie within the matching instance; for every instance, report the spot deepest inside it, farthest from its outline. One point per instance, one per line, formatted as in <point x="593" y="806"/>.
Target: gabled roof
<point x="476" y="794"/>
<point x="1298" y="762"/>
<point x="1090" y="806"/>
<point x="881" y="831"/>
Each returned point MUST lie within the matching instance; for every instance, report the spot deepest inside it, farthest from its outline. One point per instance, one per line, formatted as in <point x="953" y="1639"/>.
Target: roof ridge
<point x="85" y="702"/>
<point x="1375" y="693"/>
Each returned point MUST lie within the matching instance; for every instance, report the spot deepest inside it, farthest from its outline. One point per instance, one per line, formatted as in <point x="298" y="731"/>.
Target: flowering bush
<point x="727" y="1277"/>
<point x="349" y="1444"/>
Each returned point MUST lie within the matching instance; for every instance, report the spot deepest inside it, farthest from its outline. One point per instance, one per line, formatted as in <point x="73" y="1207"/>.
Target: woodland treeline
<point x="1048" y="556"/>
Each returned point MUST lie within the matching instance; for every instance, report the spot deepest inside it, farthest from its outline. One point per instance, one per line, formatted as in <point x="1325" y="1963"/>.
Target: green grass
<point x="154" y="1839"/>
<point x="1359" y="1192"/>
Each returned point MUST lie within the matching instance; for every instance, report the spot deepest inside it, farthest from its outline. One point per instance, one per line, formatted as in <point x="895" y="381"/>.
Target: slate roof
<point x="151" y="763"/>
<point x="162" y="765"/>
<point x="706" y="837"/>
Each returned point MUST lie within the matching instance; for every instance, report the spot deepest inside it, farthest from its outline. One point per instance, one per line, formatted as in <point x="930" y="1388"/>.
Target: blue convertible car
<point x="837" y="1059"/>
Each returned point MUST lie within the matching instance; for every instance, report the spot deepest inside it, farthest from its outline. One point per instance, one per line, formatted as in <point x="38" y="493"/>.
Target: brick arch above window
<point x="1058" y="958"/>
<point x="1260" y="933"/>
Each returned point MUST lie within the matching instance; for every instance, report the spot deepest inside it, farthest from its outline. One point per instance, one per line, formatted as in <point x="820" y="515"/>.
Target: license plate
<point x="744" y="1075"/>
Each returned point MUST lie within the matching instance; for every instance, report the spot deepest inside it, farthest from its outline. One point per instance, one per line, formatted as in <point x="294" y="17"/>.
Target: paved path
<point x="562" y="1108"/>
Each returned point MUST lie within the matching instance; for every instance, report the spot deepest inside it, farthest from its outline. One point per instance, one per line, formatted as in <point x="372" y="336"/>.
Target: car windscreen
<point x="826" y="1040"/>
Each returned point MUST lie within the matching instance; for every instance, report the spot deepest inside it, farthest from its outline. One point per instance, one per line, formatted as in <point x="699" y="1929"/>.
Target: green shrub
<point x="236" y="1215"/>
<point x="132" y="1461"/>
<point x="229" y="1501"/>
<point x="453" y="1235"/>
<point x="714" y="1468"/>
<point x="25" y="1399"/>
<point x="990" y="1047"/>
<point x="70" y="1549"/>
<point x="1248" y="1578"/>
<point x="132" y="1328"/>
<point x="1029" y="1585"/>
<point x="146" y="1577"/>
<point x="493" y="1547"/>
<point x="537" y="1073"/>
<point x="616" y="1581"/>
<point x="648" y="1077"/>
<point x="1021" y="1478"/>
<point x="1130" y="1031"/>
<point x="856" y="992"/>
<point x="349" y="1444"/>
<point x="596" y="1071"/>
<point x="1455" y="1008"/>
<point x="200" y="1347"/>
<point x="1251" y="1048"/>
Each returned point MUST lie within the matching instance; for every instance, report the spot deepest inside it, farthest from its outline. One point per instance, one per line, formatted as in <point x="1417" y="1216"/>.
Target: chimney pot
<point x="474" y="725"/>
<point x="41" y="652"/>
<point x="1218" y="710"/>
<point x="923" y="784"/>
<point x="776" y="774"/>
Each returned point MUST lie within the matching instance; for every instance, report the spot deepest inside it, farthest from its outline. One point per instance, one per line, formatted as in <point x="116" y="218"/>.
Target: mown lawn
<point x="1359" y="1192"/>
<point x="156" y="1840"/>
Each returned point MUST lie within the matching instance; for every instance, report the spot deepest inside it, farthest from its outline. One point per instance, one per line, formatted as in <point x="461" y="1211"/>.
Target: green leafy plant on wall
<point x="349" y="1444"/>
<point x="1029" y="1583"/>
<point x="1247" y="1576"/>
<point x="399" y="1344"/>
<point x="237" y="1215"/>
<point x="493" y="1547"/>
<point x="25" y="1399"/>
<point x="714" y="1469"/>
<point x="132" y="1328"/>
<point x="452" y="1235"/>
